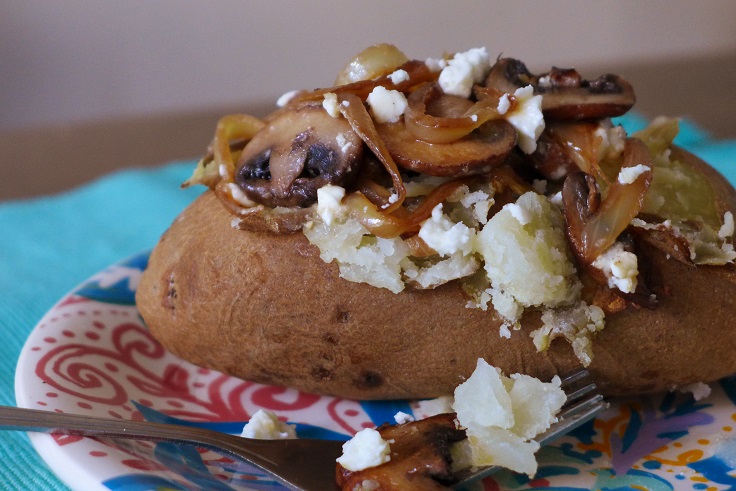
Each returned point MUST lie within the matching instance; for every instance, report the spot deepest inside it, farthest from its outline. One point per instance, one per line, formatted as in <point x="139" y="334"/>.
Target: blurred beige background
<point x="87" y="87"/>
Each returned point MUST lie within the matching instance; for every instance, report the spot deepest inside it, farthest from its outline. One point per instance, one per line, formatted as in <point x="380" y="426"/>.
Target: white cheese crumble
<point x="399" y="76"/>
<point x="501" y="416"/>
<point x="611" y="140"/>
<point x="431" y="407"/>
<point x="464" y="70"/>
<point x="265" y="425"/>
<point x="329" y="205"/>
<point x="435" y="64"/>
<point x="343" y="142"/>
<point x="699" y="390"/>
<point x="401" y="418"/>
<point x="619" y="266"/>
<point x="387" y="106"/>
<point x="330" y="104"/>
<point x="239" y="196"/>
<point x="368" y="485"/>
<point x="445" y="236"/>
<point x="727" y="228"/>
<point x="527" y="118"/>
<point x="366" y="449"/>
<point x="286" y="98"/>
<point x="504" y="103"/>
<point x="628" y="175"/>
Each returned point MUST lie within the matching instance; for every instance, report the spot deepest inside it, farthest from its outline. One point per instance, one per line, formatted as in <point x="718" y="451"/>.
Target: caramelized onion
<point x="417" y="70"/>
<point x="370" y="63"/>
<point x="382" y="223"/>
<point x="232" y="127"/>
<point x="357" y="115"/>
<point x="457" y="120"/>
<point x="592" y="231"/>
<point x="580" y="144"/>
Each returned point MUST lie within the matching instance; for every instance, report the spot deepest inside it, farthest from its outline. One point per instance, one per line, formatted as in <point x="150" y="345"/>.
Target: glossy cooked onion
<point x="591" y="231"/>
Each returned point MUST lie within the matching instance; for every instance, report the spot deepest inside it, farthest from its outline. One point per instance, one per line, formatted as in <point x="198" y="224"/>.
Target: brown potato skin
<point x="266" y="308"/>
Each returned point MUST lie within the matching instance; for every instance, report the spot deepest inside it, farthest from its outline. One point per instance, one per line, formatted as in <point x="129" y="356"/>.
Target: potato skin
<point x="266" y="308"/>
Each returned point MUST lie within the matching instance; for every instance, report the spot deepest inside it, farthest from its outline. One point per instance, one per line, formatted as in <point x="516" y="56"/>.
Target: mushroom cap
<point x="301" y="149"/>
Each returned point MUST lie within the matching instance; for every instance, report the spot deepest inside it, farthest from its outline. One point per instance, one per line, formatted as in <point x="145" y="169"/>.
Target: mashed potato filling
<point x="519" y="258"/>
<point x="501" y="416"/>
<point x="527" y="258"/>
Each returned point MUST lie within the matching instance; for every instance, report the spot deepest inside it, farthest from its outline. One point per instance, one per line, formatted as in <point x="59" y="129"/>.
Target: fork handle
<point x="21" y="419"/>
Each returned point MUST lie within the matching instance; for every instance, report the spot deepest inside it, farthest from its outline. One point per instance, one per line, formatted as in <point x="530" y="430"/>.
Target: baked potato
<point x="245" y="281"/>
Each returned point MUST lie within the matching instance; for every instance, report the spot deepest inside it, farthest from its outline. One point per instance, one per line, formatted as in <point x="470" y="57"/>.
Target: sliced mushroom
<point x="420" y="457"/>
<point x="297" y="153"/>
<point x="566" y="95"/>
<point x="478" y="153"/>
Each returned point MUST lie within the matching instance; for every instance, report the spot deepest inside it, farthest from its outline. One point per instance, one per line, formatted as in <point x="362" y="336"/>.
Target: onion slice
<point x="232" y="127"/>
<point x="417" y="70"/>
<point x="457" y="121"/>
<point x="402" y="221"/>
<point x="351" y="106"/>
<point x="591" y="231"/>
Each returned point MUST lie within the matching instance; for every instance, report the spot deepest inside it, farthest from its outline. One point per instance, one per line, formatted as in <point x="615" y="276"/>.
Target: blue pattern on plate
<point x="116" y="284"/>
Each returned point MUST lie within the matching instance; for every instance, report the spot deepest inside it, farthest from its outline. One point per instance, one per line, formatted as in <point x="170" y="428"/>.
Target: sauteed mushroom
<point x="298" y="152"/>
<point x="567" y="96"/>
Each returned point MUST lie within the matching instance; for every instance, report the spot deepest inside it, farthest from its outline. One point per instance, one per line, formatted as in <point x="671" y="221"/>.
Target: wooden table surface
<point x="47" y="160"/>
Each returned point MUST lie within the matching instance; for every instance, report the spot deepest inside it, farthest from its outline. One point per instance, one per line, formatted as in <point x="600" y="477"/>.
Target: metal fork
<point x="300" y="464"/>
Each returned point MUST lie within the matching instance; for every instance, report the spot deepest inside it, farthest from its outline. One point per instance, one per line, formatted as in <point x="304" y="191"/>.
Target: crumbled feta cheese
<point x="286" y="98"/>
<point x="504" y="103"/>
<point x="556" y="199"/>
<point x="480" y="202"/>
<point x="628" y="175"/>
<point x="501" y="416"/>
<point x="329" y="205"/>
<point x="611" y="141"/>
<point x="464" y="70"/>
<point x="366" y="449"/>
<point x="239" y="196"/>
<point x="544" y="81"/>
<point x="445" y="236"/>
<point x="343" y="142"/>
<point x="435" y="64"/>
<point x="522" y="214"/>
<point x="727" y="228"/>
<point x="265" y="425"/>
<point x="527" y="118"/>
<point x="399" y="76"/>
<point x="431" y="407"/>
<point x="330" y="104"/>
<point x="619" y="266"/>
<point x="699" y="390"/>
<point x="387" y="106"/>
<point x="539" y="185"/>
<point x="369" y="485"/>
<point x="401" y="418"/>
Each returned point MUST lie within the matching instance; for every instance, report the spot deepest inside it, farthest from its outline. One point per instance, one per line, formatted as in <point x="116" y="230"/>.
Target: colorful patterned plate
<point x="91" y="354"/>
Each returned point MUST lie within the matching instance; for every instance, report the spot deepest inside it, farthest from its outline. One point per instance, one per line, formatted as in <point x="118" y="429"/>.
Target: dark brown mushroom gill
<point x="299" y="151"/>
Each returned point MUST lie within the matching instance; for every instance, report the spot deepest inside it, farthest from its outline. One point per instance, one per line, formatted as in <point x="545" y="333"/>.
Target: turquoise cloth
<point x="50" y="245"/>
